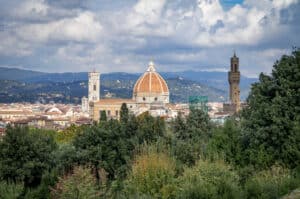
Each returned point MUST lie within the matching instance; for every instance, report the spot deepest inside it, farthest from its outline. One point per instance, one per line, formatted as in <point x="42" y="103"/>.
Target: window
<point x="95" y="87"/>
<point x="108" y="112"/>
<point x="155" y="99"/>
<point x="144" y="99"/>
<point x="117" y="113"/>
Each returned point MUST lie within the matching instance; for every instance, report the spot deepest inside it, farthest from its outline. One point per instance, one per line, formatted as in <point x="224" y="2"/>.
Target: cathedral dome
<point x="151" y="84"/>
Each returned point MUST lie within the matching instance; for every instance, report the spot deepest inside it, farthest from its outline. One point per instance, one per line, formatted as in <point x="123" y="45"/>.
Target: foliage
<point x="149" y="128"/>
<point x="43" y="190"/>
<point x="271" y="183"/>
<point x="80" y="184"/>
<point x="226" y="141"/>
<point x="25" y="156"/>
<point x="124" y="113"/>
<point x="104" y="146"/>
<point x="103" y="117"/>
<point x="66" y="157"/>
<point x="191" y="136"/>
<point x="271" y="121"/>
<point x="67" y="135"/>
<point x="10" y="190"/>
<point x="209" y="180"/>
<point x="152" y="175"/>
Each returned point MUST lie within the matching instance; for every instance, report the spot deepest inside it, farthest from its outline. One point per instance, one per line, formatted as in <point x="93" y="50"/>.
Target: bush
<point x="10" y="190"/>
<point x="209" y="180"/>
<point x="81" y="184"/>
<point x="271" y="183"/>
<point x="152" y="175"/>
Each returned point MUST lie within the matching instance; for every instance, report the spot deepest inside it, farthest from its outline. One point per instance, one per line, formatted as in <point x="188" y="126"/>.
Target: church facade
<point x="150" y="93"/>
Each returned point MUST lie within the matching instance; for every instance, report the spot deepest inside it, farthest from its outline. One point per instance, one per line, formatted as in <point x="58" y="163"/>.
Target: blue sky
<point x="123" y="35"/>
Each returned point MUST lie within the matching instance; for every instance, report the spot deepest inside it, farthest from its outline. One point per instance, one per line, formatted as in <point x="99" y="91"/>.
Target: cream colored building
<point x="150" y="93"/>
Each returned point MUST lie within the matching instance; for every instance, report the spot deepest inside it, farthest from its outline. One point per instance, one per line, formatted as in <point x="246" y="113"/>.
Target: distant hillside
<point x="212" y="84"/>
<point x="18" y="74"/>
<point x="71" y="92"/>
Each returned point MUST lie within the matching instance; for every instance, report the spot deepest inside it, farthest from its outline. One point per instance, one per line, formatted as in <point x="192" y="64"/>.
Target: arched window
<point x="95" y="87"/>
<point x="235" y="67"/>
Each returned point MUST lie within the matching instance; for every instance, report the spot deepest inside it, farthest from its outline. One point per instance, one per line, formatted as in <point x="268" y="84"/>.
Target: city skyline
<point x="122" y="36"/>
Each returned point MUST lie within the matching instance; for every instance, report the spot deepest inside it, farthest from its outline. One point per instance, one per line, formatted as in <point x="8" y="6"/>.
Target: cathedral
<point x="150" y="93"/>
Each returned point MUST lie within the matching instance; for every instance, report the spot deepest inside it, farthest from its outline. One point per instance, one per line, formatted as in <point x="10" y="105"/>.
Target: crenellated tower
<point x="234" y="82"/>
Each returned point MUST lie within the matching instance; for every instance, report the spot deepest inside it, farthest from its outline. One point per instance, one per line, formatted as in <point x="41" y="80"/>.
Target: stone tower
<point x="94" y="86"/>
<point x="234" y="82"/>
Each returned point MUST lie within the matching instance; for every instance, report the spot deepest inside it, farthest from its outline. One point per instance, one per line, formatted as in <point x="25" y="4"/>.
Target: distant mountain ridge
<point x="120" y="84"/>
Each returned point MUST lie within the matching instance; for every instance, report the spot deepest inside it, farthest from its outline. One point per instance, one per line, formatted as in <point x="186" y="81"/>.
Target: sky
<point x="124" y="35"/>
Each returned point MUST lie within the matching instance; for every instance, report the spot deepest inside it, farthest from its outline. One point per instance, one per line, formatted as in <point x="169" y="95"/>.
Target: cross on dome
<point x="151" y="67"/>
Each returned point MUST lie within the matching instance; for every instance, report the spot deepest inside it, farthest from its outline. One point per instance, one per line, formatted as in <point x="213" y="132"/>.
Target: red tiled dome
<point x="151" y="82"/>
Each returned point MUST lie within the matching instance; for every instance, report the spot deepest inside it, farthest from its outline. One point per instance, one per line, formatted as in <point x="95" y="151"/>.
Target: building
<point x="150" y="93"/>
<point x="93" y="91"/>
<point x="85" y="104"/>
<point x="234" y="86"/>
<point x="94" y="86"/>
<point x="199" y="102"/>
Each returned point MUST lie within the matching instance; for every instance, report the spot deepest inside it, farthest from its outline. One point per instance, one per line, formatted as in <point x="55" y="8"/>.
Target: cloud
<point x="121" y="35"/>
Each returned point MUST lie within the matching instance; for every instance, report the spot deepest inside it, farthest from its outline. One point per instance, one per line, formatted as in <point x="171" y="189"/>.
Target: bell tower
<point x="94" y="86"/>
<point x="234" y="82"/>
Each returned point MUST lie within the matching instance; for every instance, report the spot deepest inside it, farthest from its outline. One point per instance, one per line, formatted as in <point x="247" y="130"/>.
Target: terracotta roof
<point x="114" y="101"/>
<point x="150" y="82"/>
<point x="15" y="112"/>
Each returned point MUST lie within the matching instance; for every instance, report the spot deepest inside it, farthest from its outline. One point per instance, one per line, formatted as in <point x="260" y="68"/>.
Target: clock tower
<point x="234" y="82"/>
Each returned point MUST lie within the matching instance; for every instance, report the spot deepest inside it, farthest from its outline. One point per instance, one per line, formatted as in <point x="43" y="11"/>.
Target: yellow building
<point x="150" y="93"/>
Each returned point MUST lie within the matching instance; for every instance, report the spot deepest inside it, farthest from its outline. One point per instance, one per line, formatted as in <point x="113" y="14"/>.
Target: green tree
<point x="149" y="128"/>
<point x="104" y="146"/>
<point x="124" y="113"/>
<point x="198" y="124"/>
<point x="191" y="136"/>
<point x="180" y="127"/>
<point x="273" y="113"/>
<point x="25" y="156"/>
<point x="226" y="140"/>
<point x="103" y="117"/>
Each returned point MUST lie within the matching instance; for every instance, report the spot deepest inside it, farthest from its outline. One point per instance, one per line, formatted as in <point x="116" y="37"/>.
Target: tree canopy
<point x="271" y="120"/>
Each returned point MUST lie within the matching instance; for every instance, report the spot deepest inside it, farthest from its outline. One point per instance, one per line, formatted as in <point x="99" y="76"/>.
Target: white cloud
<point x="179" y="34"/>
<point x="82" y="28"/>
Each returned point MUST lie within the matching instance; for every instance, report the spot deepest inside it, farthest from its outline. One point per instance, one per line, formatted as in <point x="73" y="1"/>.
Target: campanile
<point x="234" y="82"/>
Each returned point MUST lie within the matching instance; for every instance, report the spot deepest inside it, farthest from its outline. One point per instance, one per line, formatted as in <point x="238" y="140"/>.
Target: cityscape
<point x="159" y="99"/>
<point x="150" y="94"/>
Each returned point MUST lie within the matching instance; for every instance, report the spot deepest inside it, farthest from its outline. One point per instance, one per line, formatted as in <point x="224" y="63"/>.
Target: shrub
<point x="209" y="180"/>
<point x="152" y="175"/>
<point x="271" y="183"/>
<point x="81" y="184"/>
<point x="10" y="190"/>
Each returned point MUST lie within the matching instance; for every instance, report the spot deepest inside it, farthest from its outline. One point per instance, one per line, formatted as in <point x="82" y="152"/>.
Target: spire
<point x="234" y="54"/>
<point x="151" y="66"/>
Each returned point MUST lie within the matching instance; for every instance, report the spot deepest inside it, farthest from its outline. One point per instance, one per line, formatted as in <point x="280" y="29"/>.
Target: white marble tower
<point x="94" y="86"/>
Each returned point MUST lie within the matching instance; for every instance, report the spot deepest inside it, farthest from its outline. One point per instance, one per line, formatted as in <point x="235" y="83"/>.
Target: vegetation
<point x="254" y="155"/>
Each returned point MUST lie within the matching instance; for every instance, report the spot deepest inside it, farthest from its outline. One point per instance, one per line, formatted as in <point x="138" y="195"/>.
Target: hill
<point x="31" y="85"/>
